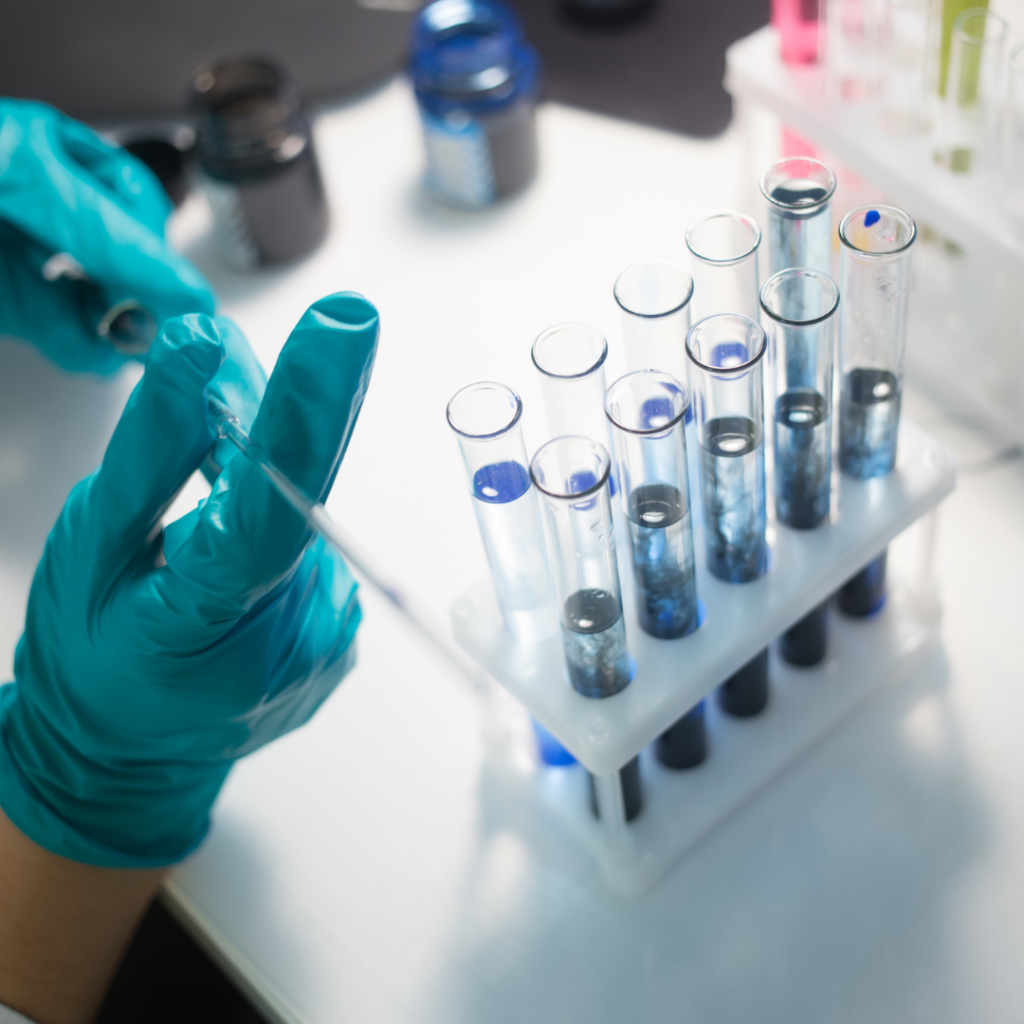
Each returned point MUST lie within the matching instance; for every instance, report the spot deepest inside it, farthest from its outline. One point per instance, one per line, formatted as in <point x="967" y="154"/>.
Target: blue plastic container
<point x="476" y="80"/>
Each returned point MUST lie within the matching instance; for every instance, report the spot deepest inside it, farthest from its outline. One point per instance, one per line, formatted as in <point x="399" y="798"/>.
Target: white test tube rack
<point x="673" y="675"/>
<point x="965" y="327"/>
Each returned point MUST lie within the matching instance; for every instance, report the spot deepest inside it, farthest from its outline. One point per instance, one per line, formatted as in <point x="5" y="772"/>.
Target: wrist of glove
<point x="139" y="684"/>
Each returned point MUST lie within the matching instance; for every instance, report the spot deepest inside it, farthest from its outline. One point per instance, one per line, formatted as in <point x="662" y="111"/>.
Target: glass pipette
<point x="230" y="429"/>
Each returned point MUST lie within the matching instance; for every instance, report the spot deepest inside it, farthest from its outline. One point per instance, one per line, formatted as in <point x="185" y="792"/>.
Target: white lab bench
<point x="369" y="867"/>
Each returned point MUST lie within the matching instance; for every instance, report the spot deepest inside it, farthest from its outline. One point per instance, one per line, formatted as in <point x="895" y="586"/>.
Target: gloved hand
<point x="138" y="683"/>
<point x="63" y="189"/>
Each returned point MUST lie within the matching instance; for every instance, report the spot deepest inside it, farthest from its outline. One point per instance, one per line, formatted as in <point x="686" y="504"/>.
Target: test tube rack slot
<point x="681" y="807"/>
<point x="741" y="620"/>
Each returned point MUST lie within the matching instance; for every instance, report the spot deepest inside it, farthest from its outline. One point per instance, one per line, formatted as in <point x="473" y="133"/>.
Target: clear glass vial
<point x="570" y="359"/>
<point x="973" y="101"/>
<point x="800" y="320"/>
<point x="906" y="33"/>
<point x="723" y="256"/>
<point x="877" y="243"/>
<point x="654" y="297"/>
<point x="646" y="409"/>
<point x="726" y="352"/>
<point x="572" y="475"/>
<point x="798" y="192"/>
<point x="486" y="420"/>
<point x="1011" y="140"/>
<point x="476" y="81"/>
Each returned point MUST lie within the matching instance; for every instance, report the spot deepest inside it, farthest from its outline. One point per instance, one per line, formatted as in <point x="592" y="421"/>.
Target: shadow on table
<point x="829" y="896"/>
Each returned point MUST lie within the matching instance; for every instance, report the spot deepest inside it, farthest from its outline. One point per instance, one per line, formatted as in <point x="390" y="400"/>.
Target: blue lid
<point x="470" y="51"/>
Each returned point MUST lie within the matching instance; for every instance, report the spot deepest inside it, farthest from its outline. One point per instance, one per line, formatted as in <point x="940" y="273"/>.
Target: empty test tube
<point x="654" y="297"/>
<point x="570" y="358"/>
<point x="799" y="308"/>
<point x="798" y="192"/>
<point x="723" y="256"/>
<point x="726" y="352"/>
<point x="877" y="242"/>
<point x="572" y="475"/>
<point x="486" y="420"/>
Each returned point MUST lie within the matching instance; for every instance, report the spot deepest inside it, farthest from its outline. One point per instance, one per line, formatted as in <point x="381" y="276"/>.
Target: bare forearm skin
<point x="64" y="927"/>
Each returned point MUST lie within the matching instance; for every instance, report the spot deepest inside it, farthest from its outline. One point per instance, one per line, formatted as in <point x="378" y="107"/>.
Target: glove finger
<point x="162" y="436"/>
<point x="240" y="384"/>
<point x="246" y="537"/>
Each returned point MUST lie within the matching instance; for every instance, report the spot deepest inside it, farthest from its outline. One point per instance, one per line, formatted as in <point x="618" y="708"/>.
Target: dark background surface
<point x="103" y="60"/>
<point x="107" y="60"/>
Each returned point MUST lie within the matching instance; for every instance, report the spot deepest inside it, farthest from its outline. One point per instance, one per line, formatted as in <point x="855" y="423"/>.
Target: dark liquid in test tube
<point x="803" y="459"/>
<point x="732" y="476"/>
<point x="869" y="419"/>
<point x="803" y="191"/>
<point x="594" y="636"/>
<point x="662" y="549"/>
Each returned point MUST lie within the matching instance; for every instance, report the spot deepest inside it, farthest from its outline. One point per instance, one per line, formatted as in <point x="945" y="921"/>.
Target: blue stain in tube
<point x="501" y="482"/>
<point x="871" y="217"/>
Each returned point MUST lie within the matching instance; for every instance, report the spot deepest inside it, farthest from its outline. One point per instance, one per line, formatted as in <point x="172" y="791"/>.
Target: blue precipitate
<point x="729" y="353"/>
<point x="871" y="217"/>
<point x="500" y="482"/>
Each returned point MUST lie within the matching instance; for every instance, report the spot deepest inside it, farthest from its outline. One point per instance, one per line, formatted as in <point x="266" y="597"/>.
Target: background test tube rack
<point x="673" y="675"/>
<point x="965" y="328"/>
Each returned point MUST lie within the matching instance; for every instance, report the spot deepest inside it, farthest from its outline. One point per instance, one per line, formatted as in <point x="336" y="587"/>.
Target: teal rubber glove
<point x="63" y="189"/>
<point x="137" y="684"/>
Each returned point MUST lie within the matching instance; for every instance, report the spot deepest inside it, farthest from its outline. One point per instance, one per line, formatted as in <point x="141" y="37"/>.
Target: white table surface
<point x="365" y="868"/>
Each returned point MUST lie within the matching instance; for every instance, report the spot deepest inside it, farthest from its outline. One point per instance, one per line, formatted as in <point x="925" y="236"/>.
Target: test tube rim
<point x="877" y="255"/>
<point x="727" y="370"/>
<point x="570" y="376"/>
<point x="606" y="469"/>
<point x="653" y="316"/>
<point x="654" y="431"/>
<point x="710" y="261"/>
<point x="517" y="415"/>
<point x="981" y="41"/>
<point x="800" y="207"/>
<point x="800" y="272"/>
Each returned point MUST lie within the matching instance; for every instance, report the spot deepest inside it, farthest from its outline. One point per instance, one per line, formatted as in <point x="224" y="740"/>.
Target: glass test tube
<point x="570" y="358"/>
<point x="486" y="420"/>
<point x="905" y="36"/>
<point x="654" y="297"/>
<point x="723" y="247"/>
<point x="572" y="474"/>
<point x="800" y="307"/>
<point x="797" y="25"/>
<point x="970" y="111"/>
<point x="726" y="352"/>
<point x="800" y="320"/>
<point x="646" y="409"/>
<point x="799" y="194"/>
<point x="1011" y="148"/>
<point x="851" y="50"/>
<point x="877" y="242"/>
